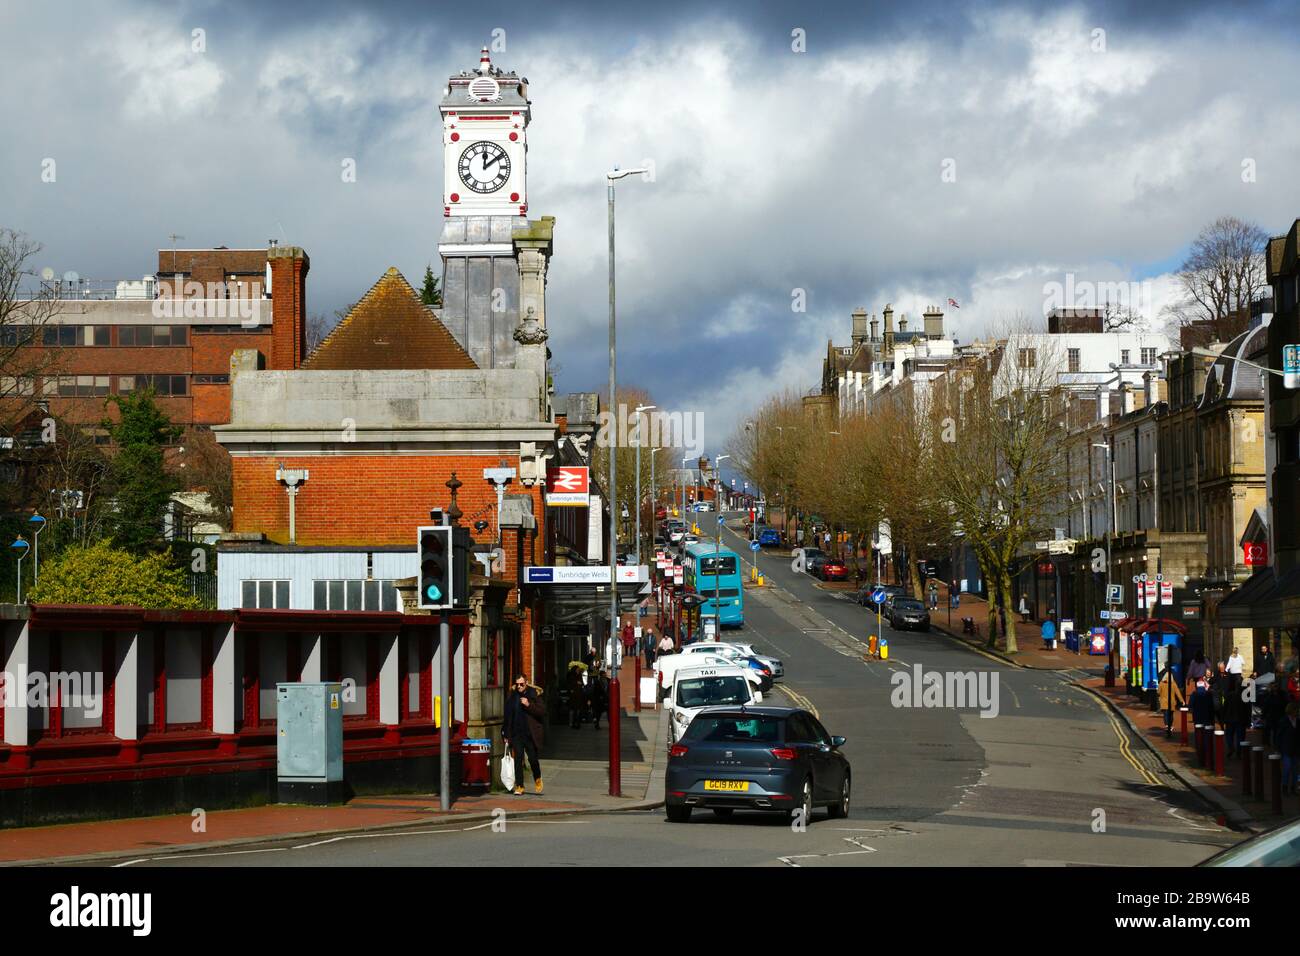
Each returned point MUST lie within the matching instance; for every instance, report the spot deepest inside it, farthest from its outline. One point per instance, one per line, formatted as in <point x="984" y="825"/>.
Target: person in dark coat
<point x="1197" y="670"/>
<point x="648" y="644"/>
<point x="1266" y="663"/>
<point x="599" y="691"/>
<point x="1236" y="714"/>
<point x="1201" y="704"/>
<point x="524" y="731"/>
<point x="1288" y="744"/>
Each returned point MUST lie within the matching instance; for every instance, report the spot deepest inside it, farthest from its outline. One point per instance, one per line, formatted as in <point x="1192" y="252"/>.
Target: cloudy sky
<point x="847" y="156"/>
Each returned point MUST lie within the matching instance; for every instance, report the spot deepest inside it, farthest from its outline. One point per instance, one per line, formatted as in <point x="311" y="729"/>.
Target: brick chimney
<point x="859" y="326"/>
<point x="889" y="329"/>
<point x="289" y="265"/>
<point x="933" y="319"/>
<point x="875" y="326"/>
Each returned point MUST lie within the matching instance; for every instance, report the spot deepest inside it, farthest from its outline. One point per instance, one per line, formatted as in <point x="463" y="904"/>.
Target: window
<point x="1027" y="358"/>
<point x="12" y="336"/>
<point x="211" y="379"/>
<point x="1149" y="356"/>
<point x="153" y="335"/>
<point x="1123" y="356"/>
<point x="1072" y="357"/>
<point x="354" y="595"/>
<point x="264" y="594"/>
<point x="172" y="385"/>
<point x="12" y="385"/>
<point x="723" y="564"/>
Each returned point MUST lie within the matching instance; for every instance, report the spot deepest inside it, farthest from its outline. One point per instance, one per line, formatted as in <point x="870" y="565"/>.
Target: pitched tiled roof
<point x="390" y="328"/>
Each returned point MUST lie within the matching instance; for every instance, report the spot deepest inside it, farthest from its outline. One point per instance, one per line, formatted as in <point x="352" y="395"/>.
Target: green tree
<point x="103" y="575"/>
<point x="139" y="483"/>
<point x="430" y="294"/>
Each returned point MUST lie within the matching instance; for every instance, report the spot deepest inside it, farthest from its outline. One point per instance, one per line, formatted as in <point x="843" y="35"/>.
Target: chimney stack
<point x="859" y="326"/>
<point x="902" y="322"/>
<point x="875" y="325"/>
<point x="933" y="319"/>
<point x="889" y="330"/>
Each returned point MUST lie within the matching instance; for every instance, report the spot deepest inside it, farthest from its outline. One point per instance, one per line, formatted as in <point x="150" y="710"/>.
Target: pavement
<point x="1223" y="792"/>
<point x="574" y="764"/>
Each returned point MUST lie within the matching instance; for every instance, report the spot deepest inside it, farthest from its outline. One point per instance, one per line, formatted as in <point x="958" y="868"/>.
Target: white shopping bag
<point x="508" y="771"/>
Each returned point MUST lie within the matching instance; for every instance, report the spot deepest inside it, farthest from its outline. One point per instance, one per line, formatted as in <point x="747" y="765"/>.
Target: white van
<point x="695" y="688"/>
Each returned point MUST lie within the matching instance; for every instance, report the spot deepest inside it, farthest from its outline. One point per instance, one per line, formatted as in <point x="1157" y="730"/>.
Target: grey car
<point x="905" y="613"/>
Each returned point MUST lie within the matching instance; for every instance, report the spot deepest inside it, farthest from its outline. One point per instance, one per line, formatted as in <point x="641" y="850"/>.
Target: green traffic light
<point x="434" y="592"/>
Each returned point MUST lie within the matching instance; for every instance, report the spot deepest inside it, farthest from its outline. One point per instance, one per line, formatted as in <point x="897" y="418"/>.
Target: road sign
<point x="1291" y="366"/>
<point x="1104" y="615"/>
<point x="719" y="519"/>
<point x="1062" y="546"/>
<point x="878" y="596"/>
<point x="753" y="546"/>
<point x="1114" y="594"/>
<point x="1166" y="592"/>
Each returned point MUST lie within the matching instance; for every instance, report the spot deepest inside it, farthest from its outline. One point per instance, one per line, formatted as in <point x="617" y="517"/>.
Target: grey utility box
<point x="309" y="743"/>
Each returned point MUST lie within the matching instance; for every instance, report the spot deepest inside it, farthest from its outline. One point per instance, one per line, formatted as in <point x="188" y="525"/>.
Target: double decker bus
<point x="714" y="573"/>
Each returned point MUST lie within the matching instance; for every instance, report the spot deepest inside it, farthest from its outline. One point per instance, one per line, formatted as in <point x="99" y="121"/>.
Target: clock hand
<point x="488" y="162"/>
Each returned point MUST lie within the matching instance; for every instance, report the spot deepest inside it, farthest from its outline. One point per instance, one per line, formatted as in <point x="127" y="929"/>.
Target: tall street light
<point x="717" y="549"/>
<point x="639" y="410"/>
<point x="615" y="782"/>
<point x="1110" y="547"/>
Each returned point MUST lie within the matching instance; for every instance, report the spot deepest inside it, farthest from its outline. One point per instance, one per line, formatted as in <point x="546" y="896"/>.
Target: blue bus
<point x="714" y="572"/>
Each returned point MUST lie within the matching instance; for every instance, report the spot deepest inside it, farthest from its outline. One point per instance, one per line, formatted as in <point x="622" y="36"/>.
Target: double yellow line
<point x="800" y="700"/>
<point x="1124" y="749"/>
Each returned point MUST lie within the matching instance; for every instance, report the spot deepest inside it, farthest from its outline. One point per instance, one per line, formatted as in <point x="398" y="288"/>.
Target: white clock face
<point x="484" y="167"/>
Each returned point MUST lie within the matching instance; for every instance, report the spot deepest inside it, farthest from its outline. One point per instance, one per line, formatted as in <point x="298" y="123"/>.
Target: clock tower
<point x="485" y="115"/>
<point x="494" y="258"/>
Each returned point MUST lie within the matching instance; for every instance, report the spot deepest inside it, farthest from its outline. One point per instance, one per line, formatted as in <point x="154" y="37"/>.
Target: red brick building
<point x="175" y="331"/>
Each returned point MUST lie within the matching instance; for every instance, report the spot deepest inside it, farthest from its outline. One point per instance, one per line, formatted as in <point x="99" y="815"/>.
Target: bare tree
<point x="1221" y="276"/>
<point x="27" y="305"/>
<point x="999" y="460"/>
<point x="72" y="478"/>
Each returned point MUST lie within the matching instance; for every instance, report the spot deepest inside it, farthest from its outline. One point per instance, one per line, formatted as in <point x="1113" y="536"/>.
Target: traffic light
<point x="436" y="576"/>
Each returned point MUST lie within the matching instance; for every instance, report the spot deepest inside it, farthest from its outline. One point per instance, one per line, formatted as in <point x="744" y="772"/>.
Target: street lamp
<point x="717" y="550"/>
<point x="615" y="783"/>
<point x="21" y="547"/>
<point x="1110" y="547"/>
<point x="639" y="410"/>
<point x="37" y="523"/>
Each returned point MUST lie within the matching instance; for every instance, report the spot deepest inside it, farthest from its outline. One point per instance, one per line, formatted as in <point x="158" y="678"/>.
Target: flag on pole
<point x="953" y="303"/>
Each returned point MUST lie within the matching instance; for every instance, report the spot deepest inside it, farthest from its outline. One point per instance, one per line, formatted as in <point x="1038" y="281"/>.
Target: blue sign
<point x="719" y="519"/>
<point x="878" y="596"/>
<point x="753" y="546"/>
<point x="540" y="575"/>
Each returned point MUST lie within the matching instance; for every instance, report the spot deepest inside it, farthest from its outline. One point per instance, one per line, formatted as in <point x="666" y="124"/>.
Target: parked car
<point x="832" y="569"/>
<point x="906" y="613"/>
<point x="778" y="668"/>
<point x="812" y="557"/>
<point x="891" y="590"/>
<point x="756" y="758"/>
<point x="768" y="537"/>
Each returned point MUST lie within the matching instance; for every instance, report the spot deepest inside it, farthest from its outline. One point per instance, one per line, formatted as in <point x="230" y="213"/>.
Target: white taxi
<point x="695" y="688"/>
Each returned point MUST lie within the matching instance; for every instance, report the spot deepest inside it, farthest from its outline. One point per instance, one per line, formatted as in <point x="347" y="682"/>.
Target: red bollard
<point x="1199" y="746"/>
<point x="1218" y="753"/>
<point x="1275" y="781"/>
<point x="636" y="696"/>
<point x="1245" y="771"/>
<point x="1257" y="758"/>
<point x="1182" y="717"/>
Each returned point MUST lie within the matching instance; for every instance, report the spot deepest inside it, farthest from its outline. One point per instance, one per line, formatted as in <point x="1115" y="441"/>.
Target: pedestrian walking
<point x="1266" y="663"/>
<point x="1024" y="609"/>
<point x="1288" y="744"/>
<point x="524" y="731"/>
<point x="648" y="646"/>
<point x="577" y="695"/>
<point x="599" y="696"/>
<point x="1201" y="704"/>
<point x="1171" y="696"/>
<point x="1049" y="633"/>
<point x="1236" y="663"/>
<point x="629" y="640"/>
<point x="934" y="596"/>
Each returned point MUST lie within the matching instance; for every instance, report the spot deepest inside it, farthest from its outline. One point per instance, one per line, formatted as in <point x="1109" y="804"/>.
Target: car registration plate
<point x="727" y="786"/>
